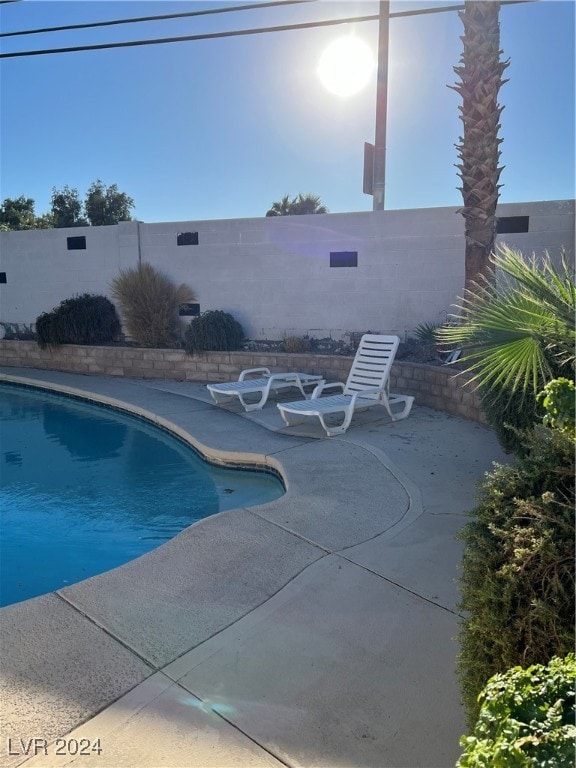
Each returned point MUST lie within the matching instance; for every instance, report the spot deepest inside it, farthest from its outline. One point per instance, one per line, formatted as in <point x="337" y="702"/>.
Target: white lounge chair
<point x="262" y="386"/>
<point x="367" y="385"/>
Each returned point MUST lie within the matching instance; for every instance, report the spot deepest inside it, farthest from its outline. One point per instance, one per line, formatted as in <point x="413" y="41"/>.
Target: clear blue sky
<point x="222" y="128"/>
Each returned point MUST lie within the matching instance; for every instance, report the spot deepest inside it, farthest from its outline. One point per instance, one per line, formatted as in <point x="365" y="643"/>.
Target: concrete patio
<point x="316" y="630"/>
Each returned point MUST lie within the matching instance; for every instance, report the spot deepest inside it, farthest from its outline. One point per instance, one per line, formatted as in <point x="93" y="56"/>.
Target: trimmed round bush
<point x="526" y="719"/>
<point x="85" y="319"/>
<point x="213" y="331"/>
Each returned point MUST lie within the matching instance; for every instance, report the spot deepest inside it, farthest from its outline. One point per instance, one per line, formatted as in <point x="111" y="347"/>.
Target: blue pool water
<point x="84" y="489"/>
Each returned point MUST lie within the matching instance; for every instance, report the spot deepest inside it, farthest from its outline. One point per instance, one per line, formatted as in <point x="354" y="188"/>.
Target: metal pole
<point x="381" y="106"/>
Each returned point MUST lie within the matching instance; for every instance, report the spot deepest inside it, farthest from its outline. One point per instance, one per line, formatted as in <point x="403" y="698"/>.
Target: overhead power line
<point x="189" y="38"/>
<point x="241" y="32"/>
<point x="138" y="19"/>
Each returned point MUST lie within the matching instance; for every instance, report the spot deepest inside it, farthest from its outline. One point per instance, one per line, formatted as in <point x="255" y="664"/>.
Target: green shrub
<point x="82" y="319"/>
<point x="297" y="344"/>
<point x="526" y="719"/>
<point x="518" y="565"/>
<point x="214" y="331"/>
<point x="149" y="301"/>
<point x="510" y="414"/>
<point x="558" y="400"/>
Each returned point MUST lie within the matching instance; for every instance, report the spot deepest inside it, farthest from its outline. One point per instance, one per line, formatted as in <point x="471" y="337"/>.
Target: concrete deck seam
<point x="248" y="736"/>
<point x="250" y="613"/>
<point x="106" y="631"/>
<point x="396" y="584"/>
<point x="284" y="528"/>
<point x="35" y="760"/>
<point x="415" y="504"/>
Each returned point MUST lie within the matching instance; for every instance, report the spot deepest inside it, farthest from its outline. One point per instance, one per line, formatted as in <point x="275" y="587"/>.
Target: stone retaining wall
<point x="432" y="386"/>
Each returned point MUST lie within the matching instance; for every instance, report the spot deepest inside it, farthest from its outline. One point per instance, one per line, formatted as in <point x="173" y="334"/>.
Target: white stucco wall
<point x="274" y="274"/>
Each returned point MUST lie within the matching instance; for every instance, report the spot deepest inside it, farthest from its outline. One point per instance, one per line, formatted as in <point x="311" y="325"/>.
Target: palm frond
<point x="512" y="330"/>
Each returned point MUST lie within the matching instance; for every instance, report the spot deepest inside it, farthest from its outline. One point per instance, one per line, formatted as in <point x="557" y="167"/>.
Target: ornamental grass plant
<point x="149" y="301"/>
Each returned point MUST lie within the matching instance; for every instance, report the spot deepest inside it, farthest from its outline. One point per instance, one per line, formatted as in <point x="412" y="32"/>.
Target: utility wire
<point x="138" y="19"/>
<point x="242" y="32"/>
<point x="188" y="38"/>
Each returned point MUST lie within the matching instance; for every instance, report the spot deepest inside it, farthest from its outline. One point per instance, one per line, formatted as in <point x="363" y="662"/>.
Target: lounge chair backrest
<point x="372" y="363"/>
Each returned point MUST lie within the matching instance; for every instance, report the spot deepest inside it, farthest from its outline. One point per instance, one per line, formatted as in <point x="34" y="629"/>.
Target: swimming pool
<point x="85" y="488"/>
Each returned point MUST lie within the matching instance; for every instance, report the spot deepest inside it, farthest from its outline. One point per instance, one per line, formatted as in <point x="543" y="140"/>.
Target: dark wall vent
<point x="76" y="243"/>
<point x="2" y="277"/>
<point x="507" y="225"/>
<point x="344" y="258"/>
<point x="187" y="238"/>
<point x="189" y="310"/>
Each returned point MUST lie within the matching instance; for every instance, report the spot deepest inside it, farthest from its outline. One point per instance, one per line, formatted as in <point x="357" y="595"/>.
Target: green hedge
<point x="518" y="565"/>
<point x="526" y="719"/>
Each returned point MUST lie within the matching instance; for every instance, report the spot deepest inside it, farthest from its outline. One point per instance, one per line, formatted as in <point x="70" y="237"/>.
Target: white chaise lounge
<point x="263" y="385"/>
<point x="367" y="385"/>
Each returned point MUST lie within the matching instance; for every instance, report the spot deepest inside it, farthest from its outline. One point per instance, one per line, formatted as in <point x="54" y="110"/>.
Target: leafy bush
<point x="297" y="344"/>
<point x="214" y="331"/>
<point x="526" y="719"/>
<point x="84" y="319"/>
<point x="149" y="303"/>
<point x="518" y="565"/>
<point x="558" y="401"/>
<point x="510" y="412"/>
<point x="511" y="415"/>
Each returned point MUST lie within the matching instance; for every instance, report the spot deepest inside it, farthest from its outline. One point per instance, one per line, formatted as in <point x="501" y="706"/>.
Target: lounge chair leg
<point x="333" y="431"/>
<point x="254" y="406"/>
<point x="221" y="399"/>
<point x="408" y="400"/>
<point x="290" y="422"/>
<point x="384" y="401"/>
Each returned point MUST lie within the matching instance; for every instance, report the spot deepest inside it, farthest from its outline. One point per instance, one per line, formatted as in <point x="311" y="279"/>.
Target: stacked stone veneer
<point x="432" y="386"/>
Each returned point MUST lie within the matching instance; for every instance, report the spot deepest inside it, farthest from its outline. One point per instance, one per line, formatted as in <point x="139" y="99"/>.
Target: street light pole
<point x="381" y="107"/>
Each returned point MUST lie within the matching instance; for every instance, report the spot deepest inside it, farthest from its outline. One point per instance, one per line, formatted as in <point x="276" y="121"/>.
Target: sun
<point x="346" y="66"/>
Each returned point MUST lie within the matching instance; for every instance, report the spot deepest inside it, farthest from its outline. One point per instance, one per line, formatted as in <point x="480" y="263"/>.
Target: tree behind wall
<point x="298" y="206"/>
<point x="66" y="208"/>
<point x="18" y="213"/>
<point x="107" y="205"/>
<point x="480" y="76"/>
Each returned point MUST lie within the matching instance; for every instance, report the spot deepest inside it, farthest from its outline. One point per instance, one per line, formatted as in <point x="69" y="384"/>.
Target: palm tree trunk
<point x="480" y="76"/>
